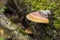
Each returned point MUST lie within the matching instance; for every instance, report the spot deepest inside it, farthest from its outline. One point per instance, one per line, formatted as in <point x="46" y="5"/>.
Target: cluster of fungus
<point x="38" y="17"/>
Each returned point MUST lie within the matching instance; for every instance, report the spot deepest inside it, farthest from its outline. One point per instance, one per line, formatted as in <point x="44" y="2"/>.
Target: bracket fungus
<point x="29" y="31"/>
<point x="39" y="17"/>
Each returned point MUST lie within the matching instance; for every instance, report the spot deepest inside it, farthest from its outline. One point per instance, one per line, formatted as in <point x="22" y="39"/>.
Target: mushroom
<point x="29" y="31"/>
<point x="38" y="17"/>
<point x="1" y="33"/>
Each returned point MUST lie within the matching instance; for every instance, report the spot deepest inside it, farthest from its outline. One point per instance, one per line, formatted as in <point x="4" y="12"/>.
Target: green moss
<point x="53" y="5"/>
<point x="1" y="38"/>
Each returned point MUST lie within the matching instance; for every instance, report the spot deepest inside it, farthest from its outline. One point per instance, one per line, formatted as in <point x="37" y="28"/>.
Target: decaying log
<point x="4" y="21"/>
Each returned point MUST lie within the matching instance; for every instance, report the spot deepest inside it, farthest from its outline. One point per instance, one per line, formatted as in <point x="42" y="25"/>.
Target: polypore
<point x="38" y="17"/>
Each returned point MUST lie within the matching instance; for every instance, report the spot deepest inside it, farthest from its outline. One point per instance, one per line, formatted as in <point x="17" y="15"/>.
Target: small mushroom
<point x="1" y="32"/>
<point x="37" y="17"/>
<point x="29" y="31"/>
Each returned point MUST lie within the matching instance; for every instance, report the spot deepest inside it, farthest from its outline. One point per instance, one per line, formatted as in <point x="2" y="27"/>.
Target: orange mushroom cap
<point x="29" y="31"/>
<point x="37" y="17"/>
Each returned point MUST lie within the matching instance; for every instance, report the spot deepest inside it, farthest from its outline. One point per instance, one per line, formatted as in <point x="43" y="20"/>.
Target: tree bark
<point x="6" y="23"/>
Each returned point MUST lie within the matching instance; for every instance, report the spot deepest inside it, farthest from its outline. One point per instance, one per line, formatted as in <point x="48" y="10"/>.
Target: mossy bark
<point x="6" y="23"/>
